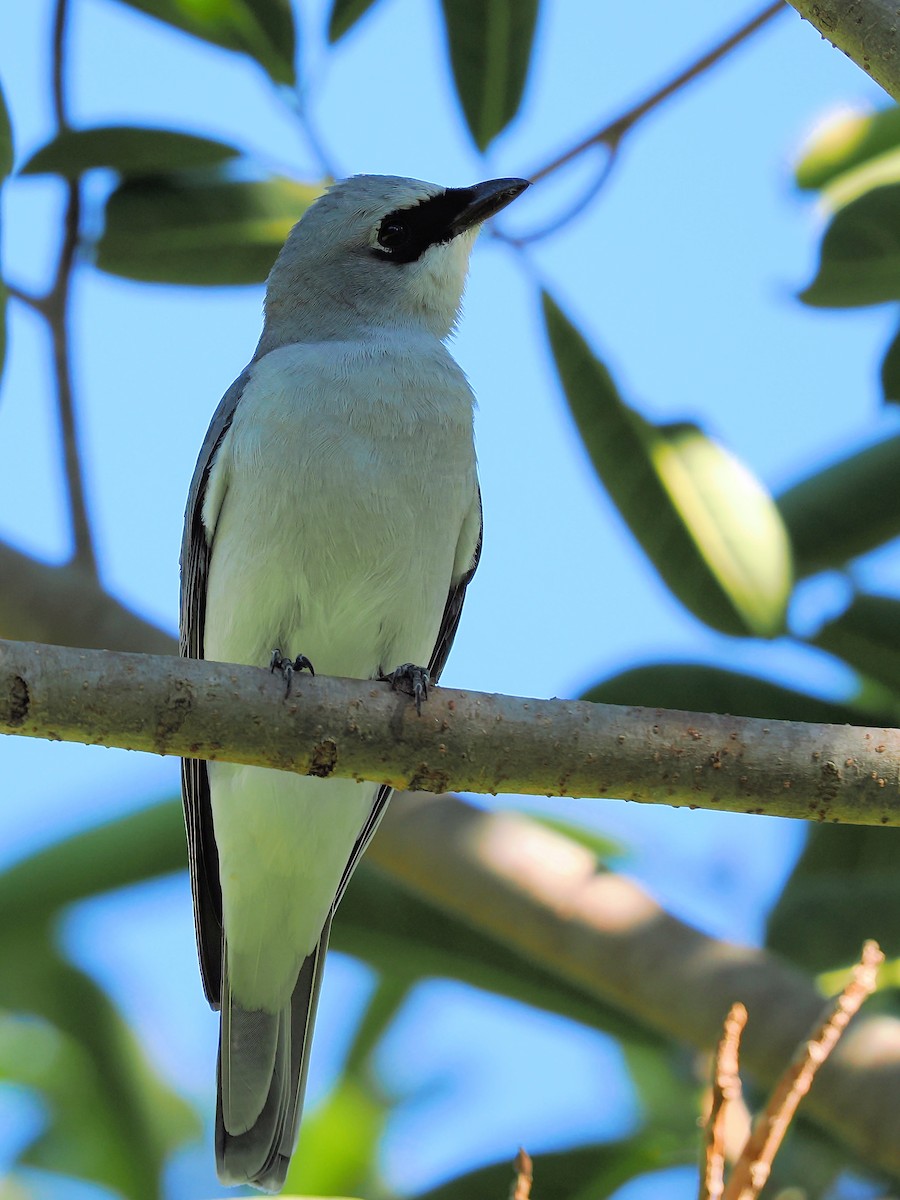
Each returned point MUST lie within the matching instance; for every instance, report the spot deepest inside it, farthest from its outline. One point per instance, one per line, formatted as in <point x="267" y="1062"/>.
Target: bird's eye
<point x="393" y="233"/>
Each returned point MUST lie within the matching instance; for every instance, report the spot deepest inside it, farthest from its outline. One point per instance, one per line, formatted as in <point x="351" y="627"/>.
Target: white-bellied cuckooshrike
<point x="334" y="512"/>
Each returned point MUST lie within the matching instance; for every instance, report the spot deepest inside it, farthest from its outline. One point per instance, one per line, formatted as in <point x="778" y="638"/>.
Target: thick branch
<point x="868" y="31"/>
<point x="466" y="741"/>
<point x="539" y="893"/>
<point x="40" y="602"/>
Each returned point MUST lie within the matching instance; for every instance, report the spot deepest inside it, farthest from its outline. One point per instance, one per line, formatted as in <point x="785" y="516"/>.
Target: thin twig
<point x="611" y="134"/>
<point x="29" y="299"/>
<point x="726" y="1090"/>
<point x="752" y="1169"/>
<point x="54" y="307"/>
<point x="521" y="1186"/>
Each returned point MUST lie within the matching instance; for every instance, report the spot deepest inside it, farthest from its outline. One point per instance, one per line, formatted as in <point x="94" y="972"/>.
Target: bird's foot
<point x="286" y="667"/>
<point x="413" y="680"/>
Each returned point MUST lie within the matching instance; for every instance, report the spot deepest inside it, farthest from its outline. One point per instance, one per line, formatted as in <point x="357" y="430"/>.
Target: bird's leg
<point x="287" y="667"/>
<point x="412" y="679"/>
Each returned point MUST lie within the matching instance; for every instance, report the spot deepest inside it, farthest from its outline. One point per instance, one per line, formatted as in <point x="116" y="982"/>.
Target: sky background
<point x="683" y="275"/>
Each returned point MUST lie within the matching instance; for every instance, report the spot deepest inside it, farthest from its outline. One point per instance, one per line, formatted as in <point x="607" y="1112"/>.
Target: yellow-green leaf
<point x="845" y="143"/>
<point x="199" y="228"/>
<point x="708" y="526"/>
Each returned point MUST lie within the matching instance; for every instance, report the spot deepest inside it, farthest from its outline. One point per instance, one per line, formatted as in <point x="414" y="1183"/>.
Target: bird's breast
<point x="343" y="486"/>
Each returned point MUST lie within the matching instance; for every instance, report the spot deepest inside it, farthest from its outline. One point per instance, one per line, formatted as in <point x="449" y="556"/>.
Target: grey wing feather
<point x="262" y="1153"/>
<point x="202" y="855"/>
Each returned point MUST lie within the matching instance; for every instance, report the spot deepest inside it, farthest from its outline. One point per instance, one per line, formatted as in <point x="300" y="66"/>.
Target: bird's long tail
<point x="263" y="1061"/>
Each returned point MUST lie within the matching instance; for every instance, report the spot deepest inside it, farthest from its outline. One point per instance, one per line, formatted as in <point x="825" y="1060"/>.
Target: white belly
<point x="337" y="537"/>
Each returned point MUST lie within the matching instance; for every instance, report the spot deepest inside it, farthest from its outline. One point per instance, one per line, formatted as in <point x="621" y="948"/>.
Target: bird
<point x="334" y="513"/>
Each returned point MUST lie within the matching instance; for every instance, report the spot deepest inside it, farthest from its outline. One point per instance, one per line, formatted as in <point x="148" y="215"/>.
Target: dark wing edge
<point x="203" y="858"/>
<point x="446" y="634"/>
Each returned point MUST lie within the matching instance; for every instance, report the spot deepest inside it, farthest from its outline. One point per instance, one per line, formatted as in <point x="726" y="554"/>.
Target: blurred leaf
<point x="859" y="260"/>
<point x="490" y="45"/>
<point x="140" y="1114"/>
<point x="337" y="1154"/>
<point x="344" y="15"/>
<point x="890" y="372"/>
<point x="390" y="995"/>
<point x="143" y="1115"/>
<point x="127" y="149"/>
<point x="264" y="29"/>
<point x="845" y="143"/>
<point x="867" y="636"/>
<point x="6" y="138"/>
<point x="710" y="529"/>
<point x="79" y="1138"/>
<point x="140" y="846"/>
<point x="695" y="687"/>
<point x="844" y="889"/>
<point x="406" y="939"/>
<point x="847" y="509"/>
<point x="199" y="229"/>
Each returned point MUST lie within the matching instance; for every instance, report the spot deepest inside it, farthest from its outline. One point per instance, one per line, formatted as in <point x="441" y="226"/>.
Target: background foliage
<point x="175" y="206"/>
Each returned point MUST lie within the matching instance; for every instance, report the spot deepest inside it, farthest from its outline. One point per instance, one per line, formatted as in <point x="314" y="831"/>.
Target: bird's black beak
<point x="484" y="200"/>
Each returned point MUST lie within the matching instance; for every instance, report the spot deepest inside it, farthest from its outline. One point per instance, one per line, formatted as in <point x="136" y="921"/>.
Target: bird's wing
<point x="446" y="634"/>
<point x="202" y="855"/>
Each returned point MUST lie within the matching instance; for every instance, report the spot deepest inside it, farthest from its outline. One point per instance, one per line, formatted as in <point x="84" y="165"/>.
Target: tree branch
<point x="612" y="133"/>
<point x="466" y="741"/>
<point x="540" y="894"/>
<point x="66" y="604"/>
<point x="868" y="32"/>
<point x="54" y="308"/>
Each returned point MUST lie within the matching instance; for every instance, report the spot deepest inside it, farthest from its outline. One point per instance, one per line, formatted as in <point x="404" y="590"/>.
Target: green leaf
<point x="140" y="846"/>
<point x="127" y="149"/>
<point x="264" y="29"/>
<point x="694" y="687"/>
<point x="337" y="1154"/>
<point x="142" y="1119"/>
<point x="490" y="45"/>
<point x="344" y="15"/>
<point x="867" y="636"/>
<point x="848" y="509"/>
<point x="844" y="889"/>
<point x="708" y="526"/>
<point x="6" y="138"/>
<point x="859" y="261"/>
<point x="199" y="229"/>
<point x="846" y="143"/>
<point x="890" y="372"/>
<point x="80" y="1139"/>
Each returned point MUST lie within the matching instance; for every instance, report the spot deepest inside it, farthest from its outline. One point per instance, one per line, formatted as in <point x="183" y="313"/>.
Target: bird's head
<point x="377" y="250"/>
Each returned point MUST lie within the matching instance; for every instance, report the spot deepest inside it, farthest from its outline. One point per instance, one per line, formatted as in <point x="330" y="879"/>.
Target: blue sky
<point x="683" y="275"/>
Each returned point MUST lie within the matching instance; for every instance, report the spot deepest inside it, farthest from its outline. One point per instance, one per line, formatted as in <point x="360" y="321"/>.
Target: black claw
<point x="413" y="680"/>
<point x="287" y="667"/>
